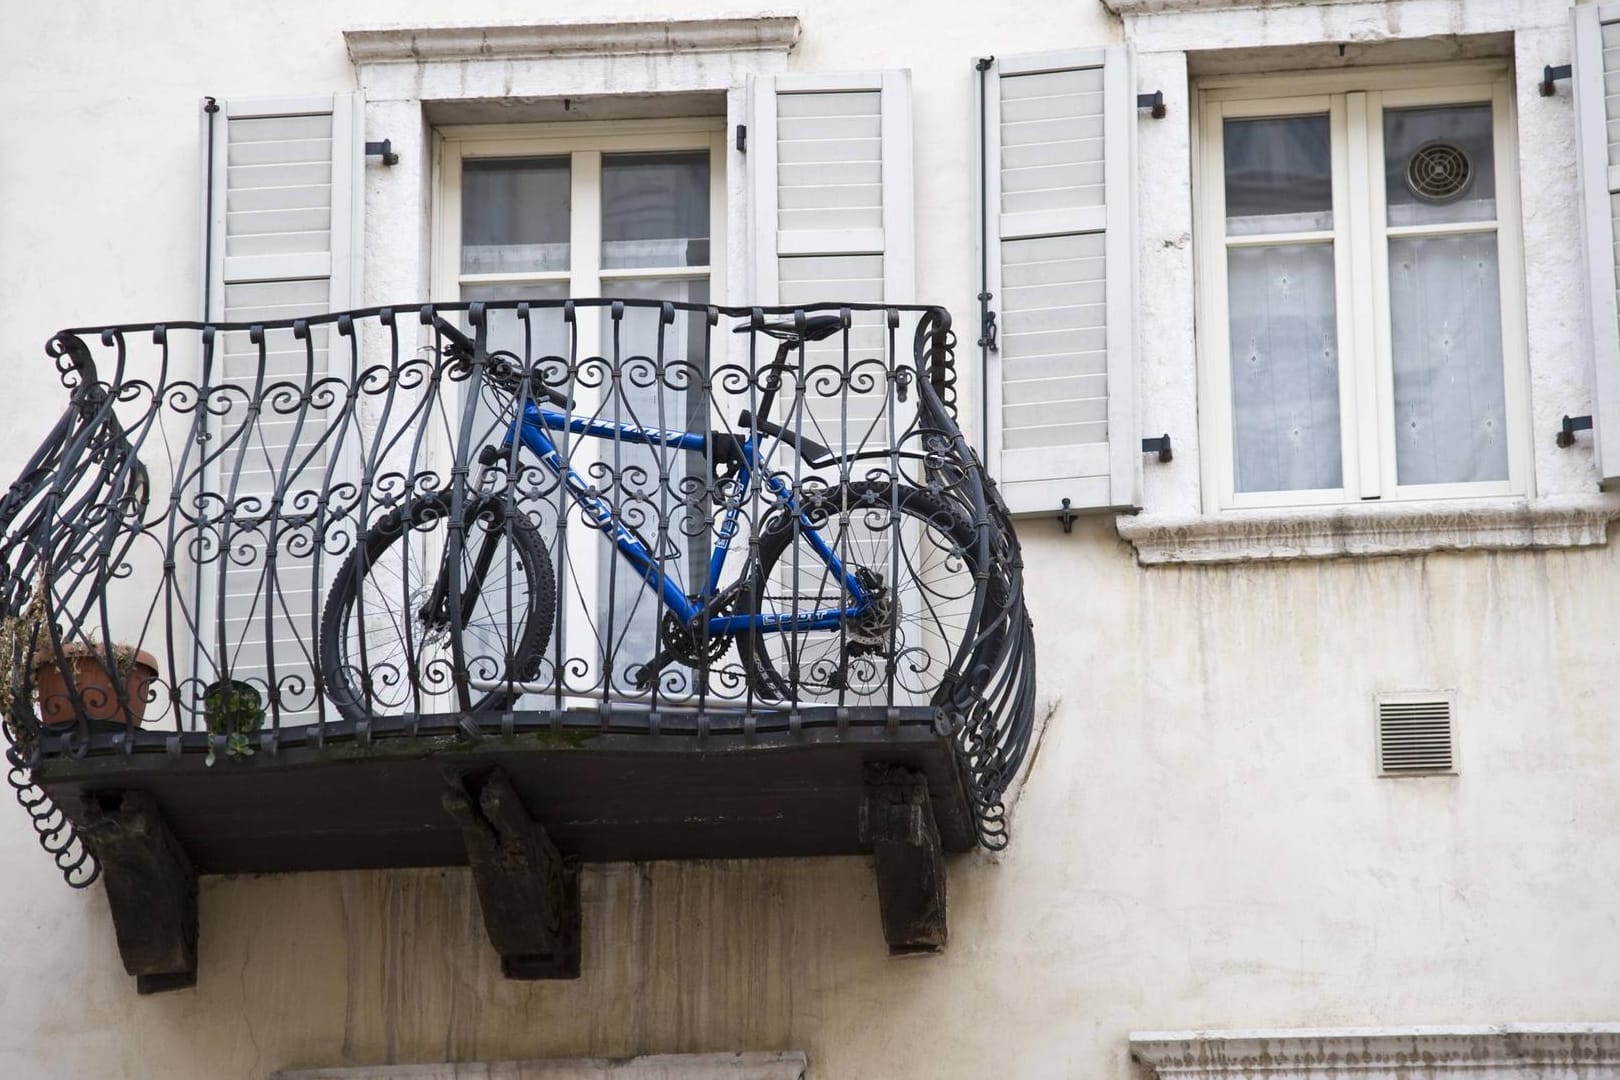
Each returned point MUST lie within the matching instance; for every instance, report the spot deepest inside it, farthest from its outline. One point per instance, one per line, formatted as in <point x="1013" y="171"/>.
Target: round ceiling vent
<point x="1439" y="171"/>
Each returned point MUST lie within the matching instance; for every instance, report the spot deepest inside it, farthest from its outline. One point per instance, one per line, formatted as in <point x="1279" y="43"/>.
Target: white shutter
<point x="285" y="189"/>
<point x="1060" y="181"/>
<point x="1597" y="138"/>
<point x="830" y="161"/>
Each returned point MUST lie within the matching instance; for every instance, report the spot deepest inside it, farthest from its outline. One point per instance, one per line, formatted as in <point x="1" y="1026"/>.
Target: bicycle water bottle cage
<point x="816" y="327"/>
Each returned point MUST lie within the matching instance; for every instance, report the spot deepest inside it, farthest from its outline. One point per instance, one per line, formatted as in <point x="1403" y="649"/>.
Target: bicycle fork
<point x="435" y="612"/>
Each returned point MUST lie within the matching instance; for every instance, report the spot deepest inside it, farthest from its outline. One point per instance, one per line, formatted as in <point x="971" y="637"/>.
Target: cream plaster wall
<point x="1200" y="841"/>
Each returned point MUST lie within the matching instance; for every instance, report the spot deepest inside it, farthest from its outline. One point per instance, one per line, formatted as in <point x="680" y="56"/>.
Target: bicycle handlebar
<point x="507" y="375"/>
<point x="463" y="348"/>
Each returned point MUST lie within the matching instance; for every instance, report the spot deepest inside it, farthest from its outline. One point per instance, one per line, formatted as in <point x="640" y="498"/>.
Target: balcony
<point x="514" y="585"/>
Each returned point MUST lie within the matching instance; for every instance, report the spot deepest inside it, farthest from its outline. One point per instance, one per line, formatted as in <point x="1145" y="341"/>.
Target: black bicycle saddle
<point x="816" y="327"/>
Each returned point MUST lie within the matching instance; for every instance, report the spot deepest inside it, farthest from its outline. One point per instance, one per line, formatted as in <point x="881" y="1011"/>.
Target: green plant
<point x="235" y="710"/>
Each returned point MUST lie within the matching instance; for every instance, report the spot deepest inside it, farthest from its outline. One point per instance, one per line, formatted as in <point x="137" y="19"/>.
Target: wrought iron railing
<point x="492" y="517"/>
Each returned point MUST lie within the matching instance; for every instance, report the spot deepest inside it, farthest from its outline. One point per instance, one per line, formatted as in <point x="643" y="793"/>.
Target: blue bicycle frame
<point x="532" y="430"/>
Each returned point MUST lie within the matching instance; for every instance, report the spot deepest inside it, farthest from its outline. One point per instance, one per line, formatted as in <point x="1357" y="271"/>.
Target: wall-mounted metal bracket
<point x="1160" y="446"/>
<point x="1067" y="516"/>
<point x="384" y="150"/>
<point x="1550" y="75"/>
<point x="1572" y="424"/>
<point x="1153" y="101"/>
<point x="742" y="138"/>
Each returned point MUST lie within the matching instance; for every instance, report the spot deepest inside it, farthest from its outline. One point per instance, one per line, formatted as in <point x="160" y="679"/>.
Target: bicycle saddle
<point x="816" y="327"/>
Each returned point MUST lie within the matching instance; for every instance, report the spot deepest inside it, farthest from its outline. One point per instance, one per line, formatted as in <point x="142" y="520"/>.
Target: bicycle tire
<point x="395" y="666"/>
<point x="812" y="665"/>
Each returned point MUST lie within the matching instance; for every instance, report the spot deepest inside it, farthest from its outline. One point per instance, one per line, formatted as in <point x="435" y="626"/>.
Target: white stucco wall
<point x="1200" y="842"/>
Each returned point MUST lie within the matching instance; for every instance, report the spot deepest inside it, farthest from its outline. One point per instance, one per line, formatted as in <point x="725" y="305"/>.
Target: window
<point x="632" y="210"/>
<point x="1360" y="298"/>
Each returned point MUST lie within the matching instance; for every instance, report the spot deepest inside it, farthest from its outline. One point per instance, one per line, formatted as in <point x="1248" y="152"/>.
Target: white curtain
<point x="1446" y="325"/>
<point x="1285" y="368"/>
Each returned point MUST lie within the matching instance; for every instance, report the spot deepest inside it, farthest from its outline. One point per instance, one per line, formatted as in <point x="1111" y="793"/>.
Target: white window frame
<point x="1354" y="101"/>
<point x="584" y="142"/>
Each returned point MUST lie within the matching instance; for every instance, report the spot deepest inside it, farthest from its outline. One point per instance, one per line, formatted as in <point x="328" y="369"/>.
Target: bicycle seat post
<point x="793" y="335"/>
<point x="773" y="377"/>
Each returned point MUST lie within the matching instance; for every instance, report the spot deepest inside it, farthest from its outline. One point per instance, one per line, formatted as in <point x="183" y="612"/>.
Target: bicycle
<point x="896" y="574"/>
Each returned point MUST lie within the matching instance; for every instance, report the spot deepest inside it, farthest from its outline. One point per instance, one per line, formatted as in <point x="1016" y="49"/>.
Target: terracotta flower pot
<point x="87" y="673"/>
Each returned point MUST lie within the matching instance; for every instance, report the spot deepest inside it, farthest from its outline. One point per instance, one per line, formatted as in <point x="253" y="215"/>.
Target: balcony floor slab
<point x="601" y="797"/>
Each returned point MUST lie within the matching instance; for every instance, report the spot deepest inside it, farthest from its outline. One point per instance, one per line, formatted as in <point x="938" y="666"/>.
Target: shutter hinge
<point x="1572" y="424"/>
<point x="742" y="138"/>
<point x="1153" y="101"/>
<point x="1550" y="75"/>
<point x="1160" y="446"/>
<point x="384" y="150"/>
<point x="987" y="326"/>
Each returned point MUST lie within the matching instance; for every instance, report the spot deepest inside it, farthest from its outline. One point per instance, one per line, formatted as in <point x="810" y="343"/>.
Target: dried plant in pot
<point x="18" y="635"/>
<point x="97" y="673"/>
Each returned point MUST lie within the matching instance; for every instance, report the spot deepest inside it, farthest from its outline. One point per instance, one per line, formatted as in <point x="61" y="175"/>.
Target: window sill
<point x="562" y="37"/>
<point x="1330" y="532"/>
<point x="1384" y="1053"/>
<point x="1189" y="7"/>
<point x="745" y="1066"/>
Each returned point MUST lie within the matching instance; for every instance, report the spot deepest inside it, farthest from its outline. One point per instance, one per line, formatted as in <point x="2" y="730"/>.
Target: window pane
<point x="643" y="481"/>
<point x="546" y="335"/>
<point x="1279" y="175"/>
<point x="1439" y="165"/>
<point x="514" y="215"/>
<point x="1446" y="322"/>
<point x="1285" y="368"/>
<point x="655" y="209"/>
<point x="538" y="489"/>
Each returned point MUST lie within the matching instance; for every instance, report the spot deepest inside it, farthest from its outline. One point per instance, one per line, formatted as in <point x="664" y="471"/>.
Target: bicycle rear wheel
<point x="386" y="632"/>
<point x="913" y="551"/>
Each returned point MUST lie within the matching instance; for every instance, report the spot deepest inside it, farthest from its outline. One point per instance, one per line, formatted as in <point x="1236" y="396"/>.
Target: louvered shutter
<point x="1059" y="171"/>
<point x="829" y="159"/>
<point x="1597" y="138"/>
<point x="285" y="191"/>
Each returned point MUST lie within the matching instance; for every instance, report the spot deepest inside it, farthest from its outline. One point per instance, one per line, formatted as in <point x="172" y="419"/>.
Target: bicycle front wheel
<point x="388" y="633"/>
<point x="912" y="552"/>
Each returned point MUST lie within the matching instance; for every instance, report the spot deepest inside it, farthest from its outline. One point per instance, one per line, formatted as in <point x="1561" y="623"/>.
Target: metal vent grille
<point x="1439" y="171"/>
<point x="1415" y="735"/>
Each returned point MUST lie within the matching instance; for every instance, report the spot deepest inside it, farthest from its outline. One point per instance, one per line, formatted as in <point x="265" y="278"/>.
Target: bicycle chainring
<point x="689" y="646"/>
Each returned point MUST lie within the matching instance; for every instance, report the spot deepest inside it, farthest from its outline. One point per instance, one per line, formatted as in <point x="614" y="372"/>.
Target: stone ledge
<point x="743" y="1066"/>
<point x="1479" y="1053"/>
<point x="1328" y="532"/>
<point x="747" y="33"/>
<point x="1187" y="7"/>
